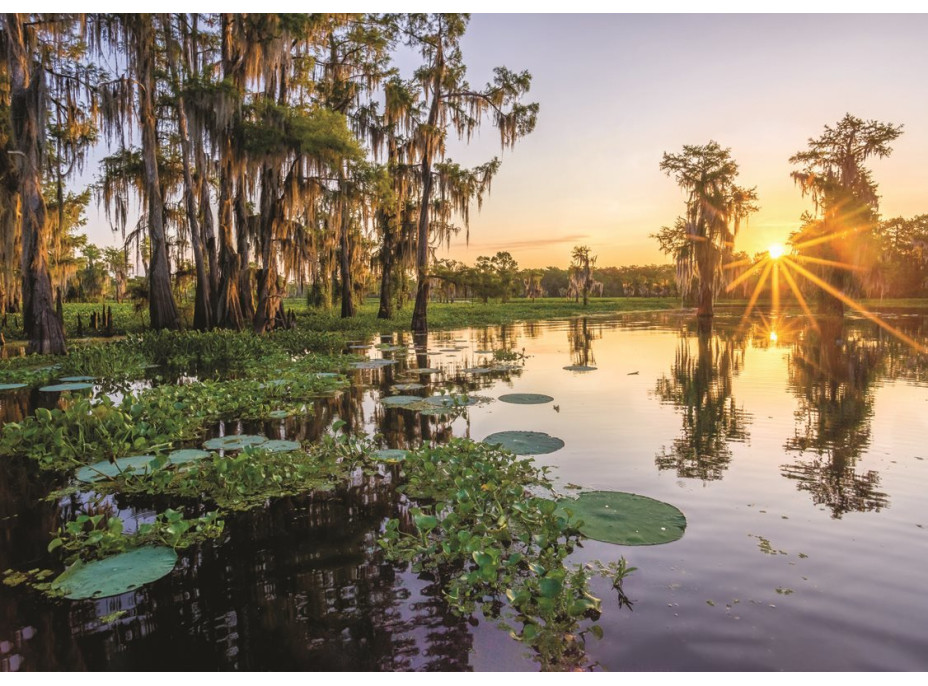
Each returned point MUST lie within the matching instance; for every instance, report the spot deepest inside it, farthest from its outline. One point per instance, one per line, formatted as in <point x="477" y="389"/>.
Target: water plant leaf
<point x="476" y="370"/>
<point x="390" y="454"/>
<point x="372" y="364"/>
<point x="115" y="575"/>
<point x="278" y="414"/>
<point x="451" y="400"/>
<point x="626" y="518"/>
<point x="400" y="400"/>
<point x="279" y="446"/>
<point x="526" y="398"/>
<point x="579" y="368"/>
<point x="76" y="378"/>
<point x="233" y="442"/>
<point x="100" y="471"/>
<point x="72" y="386"/>
<point x="187" y="455"/>
<point x="11" y="386"/>
<point x="525" y="442"/>
<point x="408" y="386"/>
<point x="425" y="370"/>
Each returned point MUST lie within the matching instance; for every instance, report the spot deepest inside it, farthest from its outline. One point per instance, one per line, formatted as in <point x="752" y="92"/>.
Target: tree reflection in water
<point x="831" y="372"/>
<point x="580" y="337"/>
<point x="700" y="387"/>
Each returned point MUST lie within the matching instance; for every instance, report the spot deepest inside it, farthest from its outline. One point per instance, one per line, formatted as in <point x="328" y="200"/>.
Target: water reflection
<point x="831" y="372"/>
<point x="700" y="387"/>
<point x="580" y="336"/>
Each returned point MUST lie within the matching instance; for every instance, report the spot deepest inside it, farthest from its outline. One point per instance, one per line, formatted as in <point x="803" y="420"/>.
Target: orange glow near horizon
<point x="776" y="251"/>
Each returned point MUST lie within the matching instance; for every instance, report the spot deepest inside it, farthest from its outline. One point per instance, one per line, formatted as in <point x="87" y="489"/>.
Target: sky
<point x="617" y="91"/>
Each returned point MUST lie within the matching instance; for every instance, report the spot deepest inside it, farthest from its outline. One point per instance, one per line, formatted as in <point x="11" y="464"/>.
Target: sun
<point x="776" y="251"/>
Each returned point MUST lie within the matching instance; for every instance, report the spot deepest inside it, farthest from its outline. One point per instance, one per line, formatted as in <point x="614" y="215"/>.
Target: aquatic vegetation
<point x="372" y="364"/>
<point x="625" y="518"/>
<point x="525" y="442"/>
<point x="400" y="400"/>
<point x="579" y="368"/>
<point x="100" y="471"/>
<point x="11" y="386"/>
<point x="526" y="398"/>
<point x="233" y="442"/>
<point x="407" y="386"/>
<point x="390" y="454"/>
<point x="115" y="575"/>
<point x="495" y="546"/>
<point x="69" y="386"/>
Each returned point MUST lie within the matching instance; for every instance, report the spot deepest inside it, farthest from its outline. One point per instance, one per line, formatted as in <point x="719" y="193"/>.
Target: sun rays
<point x="788" y="263"/>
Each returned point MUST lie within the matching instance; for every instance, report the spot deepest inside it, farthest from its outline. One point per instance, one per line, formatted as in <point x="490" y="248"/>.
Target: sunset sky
<point x="617" y="91"/>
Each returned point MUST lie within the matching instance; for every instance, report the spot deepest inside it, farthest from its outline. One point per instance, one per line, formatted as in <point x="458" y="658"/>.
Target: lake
<point x="796" y="449"/>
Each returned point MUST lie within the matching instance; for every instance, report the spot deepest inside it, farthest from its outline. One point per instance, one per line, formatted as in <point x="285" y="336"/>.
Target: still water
<point x="796" y="450"/>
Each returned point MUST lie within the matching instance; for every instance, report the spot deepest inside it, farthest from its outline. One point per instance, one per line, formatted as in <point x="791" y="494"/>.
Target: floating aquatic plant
<point x="11" y="386"/>
<point x="525" y="442"/>
<point x="233" y="442"/>
<point x="101" y="471"/>
<point x="390" y="454"/>
<point x="626" y="518"/>
<point x="526" y="398"/>
<point x="579" y="368"/>
<point x="115" y="575"/>
<point x="71" y="386"/>
<point x="408" y="386"/>
<point x="400" y="400"/>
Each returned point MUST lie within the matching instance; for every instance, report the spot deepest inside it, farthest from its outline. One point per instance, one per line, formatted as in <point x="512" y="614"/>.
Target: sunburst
<point x="788" y="262"/>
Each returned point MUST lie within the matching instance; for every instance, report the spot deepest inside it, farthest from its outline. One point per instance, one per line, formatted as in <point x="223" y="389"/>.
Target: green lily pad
<point x="453" y="400"/>
<point x="11" y="386"/>
<point x="73" y="386"/>
<point x="278" y="414"/>
<point x="188" y="455"/>
<point x="327" y="375"/>
<point x="390" y="455"/>
<point x="626" y="518"/>
<point x="77" y="378"/>
<point x="579" y="368"/>
<point x="526" y="398"/>
<point x="233" y="442"/>
<point x="360" y="346"/>
<point x="372" y="364"/>
<point x="425" y="370"/>
<point x="279" y="446"/>
<point x="100" y="471"/>
<point x="400" y="400"/>
<point x="408" y="386"/>
<point x="390" y="348"/>
<point x="115" y="575"/>
<point x="525" y="442"/>
<point x="483" y="352"/>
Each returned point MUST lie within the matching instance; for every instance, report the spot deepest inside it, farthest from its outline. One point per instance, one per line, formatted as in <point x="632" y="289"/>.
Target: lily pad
<point x="483" y="352"/>
<point x="579" y="368"/>
<point x="425" y="370"/>
<point x="76" y="378"/>
<point x="626" y="518"/>
<point x="327" y="375"/>
<point x="452" y="400"/>
<point x="476" y="370"/>
<point x="372" y="364"/>
<point x="526" y="398"/>
<point x="400" y="400"/>
<point x="73" y="386"/>
<point x="525" y="442"/>
<point x="391" y="348"/>
<point x="233" y="442"/>
<point x="100" y="471"/>
<point x="11" y="386"/>
<point x="360" y="346"/>
<point x="278" y="414"/>
<point x="279" y="446"/>
<point x="408" y="386"/>
<point x="115" y="575"/>
<point x="390" y="455"/>
<point x="188" y="455"/>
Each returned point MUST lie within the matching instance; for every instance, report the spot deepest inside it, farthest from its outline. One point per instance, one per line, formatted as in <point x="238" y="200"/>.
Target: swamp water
<point x="798" y="457"/>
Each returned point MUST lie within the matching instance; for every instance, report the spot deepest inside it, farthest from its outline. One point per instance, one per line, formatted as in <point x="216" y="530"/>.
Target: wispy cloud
<point x="528" y="245"/>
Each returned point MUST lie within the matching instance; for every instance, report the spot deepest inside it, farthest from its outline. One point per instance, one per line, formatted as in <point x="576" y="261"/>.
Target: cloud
<point x="528" y="245"/>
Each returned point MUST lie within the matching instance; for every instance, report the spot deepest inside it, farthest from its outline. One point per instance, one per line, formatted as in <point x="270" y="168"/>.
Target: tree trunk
<point x="348" y="309"/>
<point x="420" y="311"/>
<point x="245" y="279"/>
<point x="264" y="313"/>
<point x="386" y="269"/>
<point x="203" y="302"/>
<point x="161" y="307"/>
<point x="42" y="327"/>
